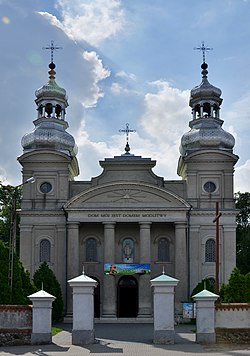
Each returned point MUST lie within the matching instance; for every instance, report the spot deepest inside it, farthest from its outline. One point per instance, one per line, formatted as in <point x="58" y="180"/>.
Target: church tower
<point x="49" y="155"/>
<point x="207" y="165"/>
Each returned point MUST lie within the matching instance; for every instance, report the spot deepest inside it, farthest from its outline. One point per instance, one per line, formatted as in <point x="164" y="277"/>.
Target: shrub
<point x="237" y="290"/>
<point x="21" y="285"/>
<point x="45" y="278"/>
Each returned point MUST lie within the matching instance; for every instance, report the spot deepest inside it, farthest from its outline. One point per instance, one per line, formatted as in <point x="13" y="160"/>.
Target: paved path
<point x="126" y="340"/>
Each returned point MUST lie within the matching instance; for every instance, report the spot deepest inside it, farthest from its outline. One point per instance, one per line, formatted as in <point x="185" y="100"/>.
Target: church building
<point x="127" y="225"/>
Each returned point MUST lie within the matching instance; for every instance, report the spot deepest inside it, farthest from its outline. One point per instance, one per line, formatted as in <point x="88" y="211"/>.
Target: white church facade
<point x="127" y="224"/>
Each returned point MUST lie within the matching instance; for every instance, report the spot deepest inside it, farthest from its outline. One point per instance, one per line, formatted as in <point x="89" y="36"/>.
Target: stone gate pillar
<point x="83" y="309"/>
<point x="41" y="317"/>
<point x="164" y="308"/>
<point x="205" y="318"/>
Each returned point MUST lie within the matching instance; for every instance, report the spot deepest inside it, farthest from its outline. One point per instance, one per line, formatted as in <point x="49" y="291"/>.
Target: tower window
<point x="212" y="283"/>
<point x="45" y="248"/>
<point x="58" y="111"/>
<point x="45" y="187"/>
<point x="210" y="250"/>
<point x="91" y="250"/>
<point x="209" y="187"/>
<point x="163" y="250"/>
<point x="48" y="109"/>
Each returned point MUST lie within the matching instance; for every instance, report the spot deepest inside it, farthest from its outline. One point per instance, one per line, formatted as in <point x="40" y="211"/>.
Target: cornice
<point x="43" y="213"/>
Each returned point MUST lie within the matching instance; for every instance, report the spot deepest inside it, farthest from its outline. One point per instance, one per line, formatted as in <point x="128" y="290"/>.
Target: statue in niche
<point x="128" y="251"/>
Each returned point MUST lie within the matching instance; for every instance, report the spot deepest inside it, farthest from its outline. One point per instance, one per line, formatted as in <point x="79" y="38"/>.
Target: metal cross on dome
<point x="127" y="131"/>
<point x="52" y="48"/>
<point x="204" y="49"/>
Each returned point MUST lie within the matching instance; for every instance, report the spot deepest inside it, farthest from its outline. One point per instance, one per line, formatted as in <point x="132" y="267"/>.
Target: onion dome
<point x="206" y="127"/>
<point x="205" y="97"/>
<point x="50" y="125"/>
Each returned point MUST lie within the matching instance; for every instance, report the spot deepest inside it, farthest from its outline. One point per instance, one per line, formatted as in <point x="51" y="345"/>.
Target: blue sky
<point x="124" y="61"/>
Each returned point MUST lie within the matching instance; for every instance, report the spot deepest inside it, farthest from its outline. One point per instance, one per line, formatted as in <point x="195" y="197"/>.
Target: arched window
<point x="163" y="250"/>
<point x="212" y="283"/>
<point x="210" y="250"/>
<point x="91" y="250"/>
<point x="45" y="248"/>
<point x="128" y="251"/>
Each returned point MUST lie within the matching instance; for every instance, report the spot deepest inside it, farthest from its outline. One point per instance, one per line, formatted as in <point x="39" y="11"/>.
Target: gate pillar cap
<point x="164" y="280"/>
<point x="205" y="295"/>
<point x="41" y="295"/>
<point x="82" y="281"/>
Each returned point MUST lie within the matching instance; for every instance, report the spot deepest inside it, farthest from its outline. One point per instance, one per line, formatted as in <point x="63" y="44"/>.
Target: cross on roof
<point x="204" y="49"/>
<point x="52" y="48"/>
<point x="127" y="131"/>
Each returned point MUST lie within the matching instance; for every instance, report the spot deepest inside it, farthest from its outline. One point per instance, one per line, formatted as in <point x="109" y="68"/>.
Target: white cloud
<point x="166" y="112"/>
<point x="88" y="20"/>
<point x="117" y="89"/>
<point x="164" y="119"/>
<point x="125" y="75"/>
<point x="52" y="19"/>
<point x="242" y="174"/>
<point x="240" y="111"/>
<point x="97" y="73"/>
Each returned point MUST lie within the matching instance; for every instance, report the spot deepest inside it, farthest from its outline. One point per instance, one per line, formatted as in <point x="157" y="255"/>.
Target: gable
<point x="129" y="195"/>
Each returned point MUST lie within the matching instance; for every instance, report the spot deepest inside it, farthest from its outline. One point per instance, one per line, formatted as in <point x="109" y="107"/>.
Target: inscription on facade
<point x="127" y="215"/>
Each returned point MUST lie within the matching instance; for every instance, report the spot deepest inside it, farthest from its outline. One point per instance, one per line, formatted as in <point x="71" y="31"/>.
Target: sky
<point x="124" y="61"/>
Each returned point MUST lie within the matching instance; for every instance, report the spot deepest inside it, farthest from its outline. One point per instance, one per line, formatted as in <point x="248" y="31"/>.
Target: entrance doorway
<point x="127" y="297"/>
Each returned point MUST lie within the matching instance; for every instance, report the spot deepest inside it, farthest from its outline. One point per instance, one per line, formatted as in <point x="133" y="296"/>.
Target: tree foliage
<point x="6" y="200"/>
<point x="242" y="202"/>
<point x="45" y="278"/>
<point x="237" y="290"/>
<point x="21" y="286"/>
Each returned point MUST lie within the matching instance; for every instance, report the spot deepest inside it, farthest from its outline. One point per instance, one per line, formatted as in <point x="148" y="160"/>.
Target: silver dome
<point x="206" y="135"/>
<point x="50" y="135"/>
<point x="206" y="127"/>
<point x="50" y="126"/>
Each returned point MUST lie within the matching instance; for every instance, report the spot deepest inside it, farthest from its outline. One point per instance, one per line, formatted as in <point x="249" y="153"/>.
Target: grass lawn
<point x="56" y="331"/>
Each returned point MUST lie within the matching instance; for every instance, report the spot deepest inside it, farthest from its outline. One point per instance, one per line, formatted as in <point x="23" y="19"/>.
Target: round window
<point x="209" y="187"/>
<point x="45" y="187"/>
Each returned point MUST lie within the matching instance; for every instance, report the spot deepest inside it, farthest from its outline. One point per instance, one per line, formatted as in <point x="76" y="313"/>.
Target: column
<point x="181" y="265"/>
<point x="205" y="316"/>
<point x="145" y="298"/>
<point x="72" y="259"/>
<point x="164" y="309"/>
<point x="83" y="309"/>
<point x="41" y="317"/>
<point x="109" y="299"/>
<point x="201" y="111"/>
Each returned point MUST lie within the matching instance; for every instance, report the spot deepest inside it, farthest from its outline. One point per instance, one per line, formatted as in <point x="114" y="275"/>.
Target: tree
<point x="242" y="202"/>
<point x="6" y="200"/>
<point x="45" y="278"/>
<point x="237" y="290"/>
<point x="21" y="286"/>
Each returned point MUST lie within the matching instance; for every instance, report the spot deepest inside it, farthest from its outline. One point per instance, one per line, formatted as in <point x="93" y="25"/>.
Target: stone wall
<point x="232" y="323"/>
<point x="15" y="324"/>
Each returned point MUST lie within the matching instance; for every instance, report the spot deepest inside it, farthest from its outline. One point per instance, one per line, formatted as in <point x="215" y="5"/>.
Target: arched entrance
<point x="127" y="301"/>
<point x="97" y="298"/>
